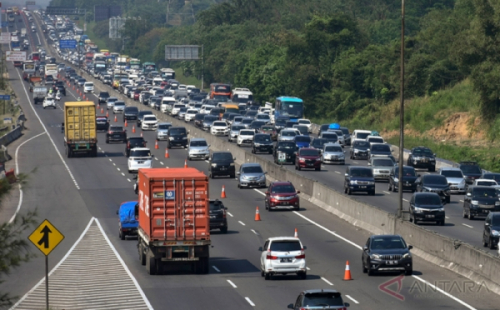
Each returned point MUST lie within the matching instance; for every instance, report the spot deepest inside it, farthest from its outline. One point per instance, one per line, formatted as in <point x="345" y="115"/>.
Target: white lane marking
<point x="328" y="282"/>
<point x="232" y="284"/>
<point x="446" y="217"/>
<point x="56" y="266"/>
<point x="129" y="180"/>
<point x="206" y="161"/>
<point x="254" y="232"/>
<point x="386" y="192"/>
<point x="216" y="269"/>
<point x="461" y="200"/>
<point x="146" y="301"/>
<point x="445" y="293"/>
<point x="156" y="158"/>
<point x="123" y="174"/>
<point x="308" y="268"/>
<point x="114" y="164"/>
<point x="263" y="194"/>
<point x="405" y="199"/>
<point x="110" y="159"/>
<point x="229" y="214"/>
<point x="118" y="169"/>
<point x="337" y="172"/>
<point x="356" y="162"/>
<point x="467" y="225"/>
<point x="46" y="131"/>
<point x="17" y="172"/>
<point x="250" y="302"/>
<point x="241" y="223"/>
<point x="161" y="163"/>
<point x="354" y="300"/>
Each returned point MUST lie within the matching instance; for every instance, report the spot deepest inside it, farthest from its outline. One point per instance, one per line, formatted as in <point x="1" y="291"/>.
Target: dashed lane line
<point x="405" y="199"/>
<point x="255" y="232"/>
<point x="129" y="180"/>
<point x="250" y="302"/>
<point x="386" y="192"/>
<point x="228" y="213"/>
<point x="216" y="269"/>
<point x="327" y="282"/>
<point x="467" y="225"/>
<point x="232" y="284"/>
<point x="123" y="174"/>
<point x="354" y="300"/>
<point x="241" y="223"/>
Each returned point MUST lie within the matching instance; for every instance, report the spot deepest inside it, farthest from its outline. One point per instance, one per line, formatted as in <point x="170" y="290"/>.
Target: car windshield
<point x="409" y="172"/>
<point x="381" y="148"/>
<point x="219" y="124"/>
<point x="363" y="172"/>
<point x="329" y="136"/>
<point x="323" y="300"/>
<point x="222" y="157"/>
<point x="288" y="145"/>
<point x="334" y="148"/>
<point x="361" y="145"/>
<point x="247" y="133"/>
<point x="305" y="122"/>
<point x="247" y="121"/>
<point x="495" y="220"/>
<point x="262" y="138"/>
<point x="198" y="143"/>
<point x="140" y="153"/>
<point x="486" y="183"/>
<point x="285" y="246"/>
<point x="210" y="118"/>
<point x="470" y="169"/>
<point x="142" y="113"/>
<point x="376" y="140"/>
<point x="136" y="140"/>
<point x="362" y="135"/>
<point x="428" y="200"/>
<point x="302" y="139"/>
<point x="216" y="205"/>
<point x="492" y="176"/>
<point x="252" y="169"/>
<point x="177" y="131"/>
<point x="116" y="128"/>
<point x="237" y="127"/>
<point x="119" y="103"/>
<point x="281" y="122"/>
<point x="435" y="179"/>
<point x="452" y="173"/>
<point x="387" y="243"/>
<point x="149" y="118"/>
<point x="484" y="193"/>
<point x="422" y="152"/>
<point x="382" y="162"/>
<point x="288" y="133"/>
<point x="131" y="109"/>
<point x="164" y="126"/>
<point x="309" y="152"/>
<point x="279" y="189"/>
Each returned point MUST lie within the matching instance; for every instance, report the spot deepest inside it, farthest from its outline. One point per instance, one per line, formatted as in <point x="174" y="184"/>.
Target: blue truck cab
<point x="127" y="216"/>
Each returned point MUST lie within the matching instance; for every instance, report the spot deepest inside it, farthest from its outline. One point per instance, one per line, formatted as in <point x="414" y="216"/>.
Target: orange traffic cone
<point x="156" y="145"/>
<point x="185" y="163"/>
<point x="126" y="124"/>
<point x="223" y="194"/>
<point x="142" y="135"/>
<point x="133" y="129"/>
<point x="257" y="214"/>
<point x="296" y="235"/>
<point x="107" y="114"/>
<point x="347" y="274"/>
<point x="83" y="97"/>
<point x="166" y="153"/>
<point x="102" y="111"/>
<point x="98" y="105"/>
<point x="116" y="119"/>
<point x="73" y="87"/>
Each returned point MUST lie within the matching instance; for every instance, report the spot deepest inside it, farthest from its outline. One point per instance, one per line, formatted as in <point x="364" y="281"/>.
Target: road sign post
<point x="46" y="237"/>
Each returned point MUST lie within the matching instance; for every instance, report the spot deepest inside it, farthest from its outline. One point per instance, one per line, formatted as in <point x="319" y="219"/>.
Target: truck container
<point x="80" y="134"/>
<point x="39" y="93"/>
<point x="174" y="223"/>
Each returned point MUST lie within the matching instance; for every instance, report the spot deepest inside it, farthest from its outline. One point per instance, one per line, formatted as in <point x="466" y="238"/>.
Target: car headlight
<point x="426" y="189"/>
<point x="495" y="233"/>
<point x="262" y="177"/>
<point x="231" y="164"/>
<point x="474" y="202"/>
<point x="214" y="165"/>
<point x="302" y="158"/>
<point x="356" y="151"/>
<point x="440" y="209"/>
<point x="462" y="182"/>
<point x="354" y="182"/>
<point x="170" y="138"/>
<point x="418" y="210"/>
<point x="244" y="177"/>
<point x="432" y="159"/>
<point x="184" y="138"/>
<point x="396" y="180"/>
<point x="318" y="159"/>
<point x="256" y="144"/>
<point x="497" y="203"/>
<point x="407" y="255"/>
<point x="375" y="256"/>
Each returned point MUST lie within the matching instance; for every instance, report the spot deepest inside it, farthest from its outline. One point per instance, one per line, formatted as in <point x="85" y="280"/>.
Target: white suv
<point x="140" y="157"/>
<point x="245" y="137"/>
<point x="282" y="255"/>
<point x="149" y="122"/>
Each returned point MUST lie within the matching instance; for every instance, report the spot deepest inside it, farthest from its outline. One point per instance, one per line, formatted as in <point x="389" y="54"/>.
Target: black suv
<point x="359" y="179"/>
<point x="359" y="149"/>
<point x="177" y="136"/>
<point x="387" y="253"/>
<point x="380" y="149"/>
<point x="422" y="157"/>
<point x="409" y="178"/>
<point x="140" y="116"/>
<point x="103" y="97"/>
<point x="130" y="113"/>
<point x="134" y="142"/>
<point x="116" y="133"/>
<point x="61" y="89"/>
<point x="198" y="120"/>
<point x="427" y="207"/>
<point x="102" y="123"/>
<point x="320" y="298"/>
<point x="479" y="201"/>
<point x="491" y="228"/>
<point x="318" y="143"/>
<point x="221" y="163"/>
<point x="285" y="152"/>
<point x="218" y="218"/>
<point x="262" y="143"/>
<point x="434" y="183"/>
<point x="470" y="170"/>
<point x="492" y="176"/>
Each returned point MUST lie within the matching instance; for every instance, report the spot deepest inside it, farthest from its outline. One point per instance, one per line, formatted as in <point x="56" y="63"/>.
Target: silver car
<point x="118" y="107"/>
<point x="251" y="175"/>
<point x="110" y="103"/>
<point x="455" y="179"/>
<point x="140" y="157"/>
<point x="333" y="154"/>
<point x="340" y="136"/>
<point x="235" y="131"/>
<point x="381" y="168"/>
<point x="198" y="148"/>
<point x="162" y="130"/>
<point x="287" y="135"/>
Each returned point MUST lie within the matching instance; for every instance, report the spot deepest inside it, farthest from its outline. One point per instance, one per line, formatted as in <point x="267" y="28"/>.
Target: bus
<point x="167" y="73"/>
<point x="14" y="42"/>
<point x="35" y="56"/>
<point x="135" y="64"/>
<point x="51" y="69"/>
<point x="105" y="52"/>
<point x="117" y="76"/>
<point x="241" y="95"/>
<point x="29" y="66"/>
<point x="148" y="67"/>
<point x="291" y="107"/>
<point x="220" y="91"/>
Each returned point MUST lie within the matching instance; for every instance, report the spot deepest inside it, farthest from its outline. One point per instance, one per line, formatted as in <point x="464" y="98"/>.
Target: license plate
<point x="486" y="211"/>
<point x="140" y="162"/>
<point x="212" y="216"/>
<point x="362" y="187"/>
<point x="310" y="165"/>
<point x="284" y="203"/>
<point x="223" y="168"/>
<point x="407" y="183"/>
<point x="391" y="262"/>
<point x="430" y="216"/>
<point x="286" y="260"/>
<point x="116" y="136"/>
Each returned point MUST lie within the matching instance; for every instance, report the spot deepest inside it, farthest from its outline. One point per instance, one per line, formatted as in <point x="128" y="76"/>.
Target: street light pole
<point x="401" y="113"/>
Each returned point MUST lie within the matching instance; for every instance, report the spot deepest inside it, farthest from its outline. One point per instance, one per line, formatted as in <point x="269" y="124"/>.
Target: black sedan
<point x="116" y="133"/>
<point x="218" y="218"/>
<point x="427" y="207"/>
<point x="387" y="253"/>
<point x="102" y="123"/>
<point x="491" y="231"/>
<point x="284" y="152"/>
<point x="408" y="182"/>
<point x="433" y="183"/>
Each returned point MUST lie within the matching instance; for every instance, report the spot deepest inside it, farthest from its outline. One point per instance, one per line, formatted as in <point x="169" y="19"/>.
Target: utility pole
<point x="401" y="113"/>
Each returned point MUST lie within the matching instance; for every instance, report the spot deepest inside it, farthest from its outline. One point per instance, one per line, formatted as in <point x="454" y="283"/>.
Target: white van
<point x="167" y="103"/>
<point x="359" y="134"/>
<point x="177" y="107"/>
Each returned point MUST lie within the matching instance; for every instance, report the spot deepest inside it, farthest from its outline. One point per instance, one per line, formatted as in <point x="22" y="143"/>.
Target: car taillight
<point x="224" y="214"/>
<point x="269" y="256"/>
<point x="302" y="255"/>
<point x="110" y="132"/>
<point x="128" y="145"/>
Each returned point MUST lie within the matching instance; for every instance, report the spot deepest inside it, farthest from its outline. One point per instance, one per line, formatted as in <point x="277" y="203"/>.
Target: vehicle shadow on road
<point x="228" y="265"/>
<point x="111" y="154"/>
<point x="294" y="277"/>
<point x="229" y="232"/>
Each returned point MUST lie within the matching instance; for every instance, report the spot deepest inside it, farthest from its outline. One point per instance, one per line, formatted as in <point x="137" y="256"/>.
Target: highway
<point x="70" y="192"/>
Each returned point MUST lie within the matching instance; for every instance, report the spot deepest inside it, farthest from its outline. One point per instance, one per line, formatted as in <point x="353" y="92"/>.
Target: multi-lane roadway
<point x="70" y="192"/>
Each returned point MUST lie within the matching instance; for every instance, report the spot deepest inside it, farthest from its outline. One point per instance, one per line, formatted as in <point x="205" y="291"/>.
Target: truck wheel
<point x="142" y="256"/>
<point x="151" y="264"/>
<point x="121" y="235"/>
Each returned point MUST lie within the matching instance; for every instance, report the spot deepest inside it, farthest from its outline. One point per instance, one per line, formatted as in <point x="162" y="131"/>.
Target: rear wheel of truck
<point x="151" y="264"/>
<point x="142" y="255"/>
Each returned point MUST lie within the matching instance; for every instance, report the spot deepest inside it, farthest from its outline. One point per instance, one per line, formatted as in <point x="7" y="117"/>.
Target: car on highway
<point x="217" y="212"/>
<point x="102" y="97"/>
<point x="234" y="131"/>
<point x="251" y="175"/>
<point x="130" y="114"/>
<point x="190" y="115"/>
<point x="287" y="135"/>
<point x="264" y="117"/>
<point x="49" y="102"/>
<point x="479" y="201"/>
<point x="245" y="137"/>
<point x="282" y="195"/>
<point x="116" y="133"/>
<point x="281" y="256"/>
<point x="256" y="125"/>
<point x="221" y="164"/>
<point x="140" y="157"/>
<point x="133" y="142"/>
<point x="422" y="157"/>
<point x="198" y="120"/>
<point x="319" y="299"/>
<point x="127" y="219"/>
<point x="340" y="136"/>
<point x="284" y="152"/>
<point x="280" y="123"/>
<point x="162" y="130"/>
<point x="302" y="141"/>
<point x="149" y="122"/>
<point x="434" y="183"/>
<point x="246" y="121"/>
<point x="219" y="128"/>
<point x="375" y="139"/>
<point x="88" y="87"/>
<point x="360" y="135"/>
<point x="409" y="178"/>
<point x="177" y="136"/>
<point x="305" y="122"/>
<point x="61" y="89"/>
<point x="308" y="158"/>
<point x="427" y="207"/>
<point x="270" y="130"/>
<point x="455" y="179"/>
<point x="387" y="253"/>
<point x="491" y="230"/>
<point x="110" y="102"/>
<point x="381" y="167"/>
<point x="379" y="149"/>
<point x="485" y="182"/>
<point x="471" y="171"/>
<point x="262" y="143"/>
<point x="198" y="148"/>
<point x="347" y="135"/>
<point x="80" y="82"/>
<point x="359" y="179"/>
<point x="102" y="123"/>
<point x="332" y="153"/>
<point x="359" y="150"/>
<point x="208" y="120"/>
<point x="141" y="115"/>
<point x="118" y="107"/>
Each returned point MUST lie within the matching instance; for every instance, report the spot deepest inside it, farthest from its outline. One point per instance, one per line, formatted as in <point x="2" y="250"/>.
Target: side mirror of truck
<point x="116" y="211"/>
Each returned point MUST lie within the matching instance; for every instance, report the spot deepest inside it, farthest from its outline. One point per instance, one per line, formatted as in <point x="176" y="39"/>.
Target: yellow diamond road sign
<point x="46" y="237"/>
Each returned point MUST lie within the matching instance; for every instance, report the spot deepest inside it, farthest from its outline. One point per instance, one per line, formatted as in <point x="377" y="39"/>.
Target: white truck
<point x="23" y="33"/>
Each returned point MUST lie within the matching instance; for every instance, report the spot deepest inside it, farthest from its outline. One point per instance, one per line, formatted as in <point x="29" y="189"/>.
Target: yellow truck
<point x="80" y="134"/>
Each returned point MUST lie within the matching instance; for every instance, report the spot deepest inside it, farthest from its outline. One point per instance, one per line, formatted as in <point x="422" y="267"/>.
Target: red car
<point x="308" y="158"/>
<point x="137" y="92"/>
<point x="282" y="195"/>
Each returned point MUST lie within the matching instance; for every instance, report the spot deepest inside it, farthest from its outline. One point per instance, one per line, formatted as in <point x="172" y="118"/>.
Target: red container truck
<point x="174" y="219"/>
